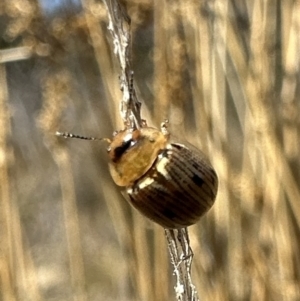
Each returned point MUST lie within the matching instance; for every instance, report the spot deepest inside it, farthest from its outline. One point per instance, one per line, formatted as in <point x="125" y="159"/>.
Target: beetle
<point x="171" y="183"/>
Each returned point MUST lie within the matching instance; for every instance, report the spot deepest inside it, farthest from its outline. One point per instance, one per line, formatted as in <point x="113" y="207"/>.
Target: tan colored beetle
<point x="170" y="183"/>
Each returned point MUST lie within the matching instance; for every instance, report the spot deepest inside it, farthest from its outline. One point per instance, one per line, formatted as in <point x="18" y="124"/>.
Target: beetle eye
<point x="120" y="150"/>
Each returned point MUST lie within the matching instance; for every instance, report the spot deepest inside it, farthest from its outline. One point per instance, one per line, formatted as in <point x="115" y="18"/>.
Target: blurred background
<point x="225" y="73"/>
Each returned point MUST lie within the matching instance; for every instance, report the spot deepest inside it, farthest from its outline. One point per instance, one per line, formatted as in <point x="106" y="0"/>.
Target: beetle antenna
<point x="70" y="135"/>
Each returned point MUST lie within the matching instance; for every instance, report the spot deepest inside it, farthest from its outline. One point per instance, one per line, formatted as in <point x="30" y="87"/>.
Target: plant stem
<point x="119" y="27"/>
<point x="181" y="256"/>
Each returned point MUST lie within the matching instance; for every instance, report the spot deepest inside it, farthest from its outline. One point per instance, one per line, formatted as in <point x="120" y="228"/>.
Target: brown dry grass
<point x="226" y="74"/>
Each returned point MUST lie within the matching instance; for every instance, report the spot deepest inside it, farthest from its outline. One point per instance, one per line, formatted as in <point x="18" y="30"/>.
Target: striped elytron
<point x="170" y="183"/>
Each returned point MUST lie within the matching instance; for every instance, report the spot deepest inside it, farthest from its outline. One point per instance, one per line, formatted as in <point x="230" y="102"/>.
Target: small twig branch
<point x="181" y="258"/>
<point x="119" y="26"/>
<point x="178" y="240"/>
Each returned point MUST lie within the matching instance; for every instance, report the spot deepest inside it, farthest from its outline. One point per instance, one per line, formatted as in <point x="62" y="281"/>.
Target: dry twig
<point x="119" y="26"/>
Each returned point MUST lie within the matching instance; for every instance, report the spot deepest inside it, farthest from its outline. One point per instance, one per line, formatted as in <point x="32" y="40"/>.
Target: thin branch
<point x="119" y="26"/>
<point x="181" y="258"/>
<point x="178" y="240"/>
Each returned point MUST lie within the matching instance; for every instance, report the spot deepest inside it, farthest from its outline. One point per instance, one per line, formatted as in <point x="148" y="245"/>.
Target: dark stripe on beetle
<point x="183" y="185"/>
<point x="158" y="198"/>
<point x="179" y="170"/>
<point x="180" y="163"/>
<point x="176" y="201"/>
<point x="181" y="157"/>
<point x="155" y="206"/>
<point x="200" y="165"/>
<point x="184" y="194"/>
<point x="180" y="184"/>
<point x="210" y="175"/>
